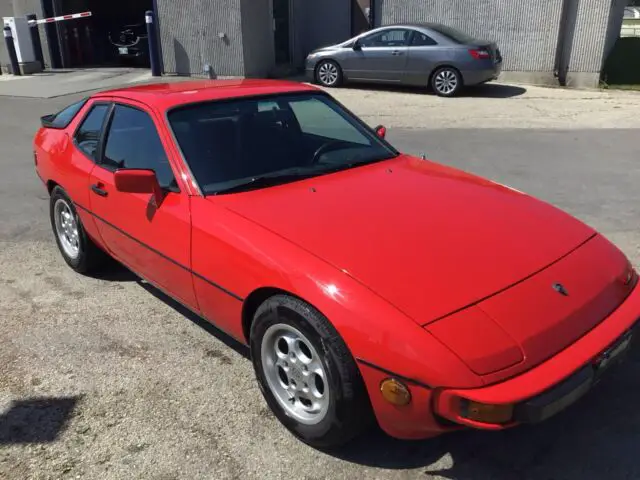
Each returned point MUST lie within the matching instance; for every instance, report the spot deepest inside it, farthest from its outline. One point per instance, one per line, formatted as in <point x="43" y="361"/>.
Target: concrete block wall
<point x="196" y="32"/>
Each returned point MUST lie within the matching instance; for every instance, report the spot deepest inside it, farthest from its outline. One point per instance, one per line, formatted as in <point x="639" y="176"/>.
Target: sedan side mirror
<point x="381" y="131"/>
<point x="356" y="45"/>
<point x="138" y="181"/>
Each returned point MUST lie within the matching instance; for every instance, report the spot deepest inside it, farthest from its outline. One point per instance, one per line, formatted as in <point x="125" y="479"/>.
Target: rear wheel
<point x="306" y="373"/>
<point x="77" y="249"/>
<point x="446" y="82"/>
<point x="328" y="73"/>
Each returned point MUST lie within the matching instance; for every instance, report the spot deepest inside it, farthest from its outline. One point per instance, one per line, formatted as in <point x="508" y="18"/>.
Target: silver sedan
<point x="413" y="54"/>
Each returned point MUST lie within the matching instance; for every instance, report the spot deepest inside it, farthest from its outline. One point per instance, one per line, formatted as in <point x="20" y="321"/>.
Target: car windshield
<point x="251" y="143"/>
<point x="455" y="35"/>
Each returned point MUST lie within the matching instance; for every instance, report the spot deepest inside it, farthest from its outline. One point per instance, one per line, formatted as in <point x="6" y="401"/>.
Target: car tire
<point x="329" y="74"/>
<point x="77" y="249"/>
<point x="446" y="82"/>
<point x="330" y="404"/>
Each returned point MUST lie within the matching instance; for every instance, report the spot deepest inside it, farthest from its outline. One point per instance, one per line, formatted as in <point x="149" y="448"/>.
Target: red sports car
<point x="368" y="284"/>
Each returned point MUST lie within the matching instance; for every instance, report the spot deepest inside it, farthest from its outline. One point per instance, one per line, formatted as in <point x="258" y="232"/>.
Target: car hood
<point x="427" y="238"/>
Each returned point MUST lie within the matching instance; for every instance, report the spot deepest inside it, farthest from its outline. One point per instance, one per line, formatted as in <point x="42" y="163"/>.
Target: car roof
<point x="171" y="94"/>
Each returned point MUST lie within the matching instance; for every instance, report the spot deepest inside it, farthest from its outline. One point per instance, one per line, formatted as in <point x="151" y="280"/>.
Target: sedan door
<point x="379" y="57"/>
<point x="424" y="54"/>
<point x="151" y="237"/>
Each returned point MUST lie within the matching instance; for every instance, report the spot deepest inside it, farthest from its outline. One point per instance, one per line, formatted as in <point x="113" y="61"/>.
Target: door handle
<point x="396" y="52"/>
<point x="99" y="191"/>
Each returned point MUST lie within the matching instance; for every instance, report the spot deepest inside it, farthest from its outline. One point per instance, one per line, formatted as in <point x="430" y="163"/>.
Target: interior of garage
<point x="115" y="35"/>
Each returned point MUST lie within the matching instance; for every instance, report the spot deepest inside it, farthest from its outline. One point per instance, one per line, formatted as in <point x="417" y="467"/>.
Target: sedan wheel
<point x="306" y="373"/>
<point x="446" y="82"/>
<point x="329" y="74"/>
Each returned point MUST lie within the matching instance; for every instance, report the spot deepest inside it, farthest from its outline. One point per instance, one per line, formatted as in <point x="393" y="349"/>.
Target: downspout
<point x="565" y="37"/>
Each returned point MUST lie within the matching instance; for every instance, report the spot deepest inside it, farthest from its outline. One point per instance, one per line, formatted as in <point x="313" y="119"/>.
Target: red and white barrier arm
<point x="62" y="18"/>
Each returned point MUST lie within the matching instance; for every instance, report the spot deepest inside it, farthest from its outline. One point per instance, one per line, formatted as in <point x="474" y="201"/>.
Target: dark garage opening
<point x="114" y="36"/>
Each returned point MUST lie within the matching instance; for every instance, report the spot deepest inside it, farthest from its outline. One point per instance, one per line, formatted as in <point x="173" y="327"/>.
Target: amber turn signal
<point x="486" y="413"/>
<point x="395" y="392"/>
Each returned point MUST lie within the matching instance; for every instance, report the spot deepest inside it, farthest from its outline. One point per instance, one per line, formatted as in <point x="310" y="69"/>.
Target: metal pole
<point x="154" y="58"/>
<point x="11" y="49"/>
<point x="35" y="39"/>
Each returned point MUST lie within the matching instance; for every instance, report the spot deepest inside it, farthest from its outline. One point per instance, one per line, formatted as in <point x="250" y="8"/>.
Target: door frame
<point x="292" y="24"/>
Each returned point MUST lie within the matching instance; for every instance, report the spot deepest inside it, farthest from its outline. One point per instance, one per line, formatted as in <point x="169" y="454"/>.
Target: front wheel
<point x="306" y="373"/>
<point x="328" y="73"/>
<point x="446" y="82"/>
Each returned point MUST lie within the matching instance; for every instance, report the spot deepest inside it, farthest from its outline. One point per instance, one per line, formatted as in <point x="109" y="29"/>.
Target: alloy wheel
<point x="328" y="73"/>
<point x="295" y="374"/>
<point x="446" y="82"/>
<point x="67" y="228"/>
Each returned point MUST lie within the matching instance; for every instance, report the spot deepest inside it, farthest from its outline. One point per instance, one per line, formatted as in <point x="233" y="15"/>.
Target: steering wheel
<point x="324" y="148"/>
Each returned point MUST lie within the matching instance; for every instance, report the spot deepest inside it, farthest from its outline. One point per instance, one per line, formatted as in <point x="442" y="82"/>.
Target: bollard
<point x="35" y="40"/>
<point x="154" y="58"/>
<point x="11" y="49"/>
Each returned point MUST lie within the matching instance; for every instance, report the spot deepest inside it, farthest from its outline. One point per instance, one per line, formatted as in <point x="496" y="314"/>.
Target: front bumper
<point x="549" y="388"/>
<point x="536" y="394"/>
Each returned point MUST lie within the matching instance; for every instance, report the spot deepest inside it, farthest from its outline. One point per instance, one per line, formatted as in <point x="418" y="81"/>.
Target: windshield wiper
<point x="268" y="180"/>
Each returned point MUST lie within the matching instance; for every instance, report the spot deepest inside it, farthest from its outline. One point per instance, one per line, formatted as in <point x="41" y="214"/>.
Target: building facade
<point x="543" y="41"/>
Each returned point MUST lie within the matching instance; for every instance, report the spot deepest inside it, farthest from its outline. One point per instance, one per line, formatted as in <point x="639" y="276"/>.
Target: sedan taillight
<point x="480" y="54"/>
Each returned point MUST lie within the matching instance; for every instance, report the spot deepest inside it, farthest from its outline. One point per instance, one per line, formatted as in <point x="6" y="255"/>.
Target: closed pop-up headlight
<point x="477" y="340"/>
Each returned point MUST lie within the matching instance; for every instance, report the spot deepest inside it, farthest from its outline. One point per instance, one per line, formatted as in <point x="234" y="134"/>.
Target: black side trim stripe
<point x="213" y="284"/>
<point x="392" y="374"/>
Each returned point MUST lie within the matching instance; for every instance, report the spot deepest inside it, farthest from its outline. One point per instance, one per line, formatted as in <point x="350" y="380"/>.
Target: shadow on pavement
<point x="36" y="420"/>
<point x="598" y="437"/>
<point x="487" y="90"/>
<point x="197" y="319"/>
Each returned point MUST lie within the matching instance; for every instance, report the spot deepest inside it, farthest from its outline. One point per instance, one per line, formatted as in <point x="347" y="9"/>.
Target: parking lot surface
<point x="105" y="378"/>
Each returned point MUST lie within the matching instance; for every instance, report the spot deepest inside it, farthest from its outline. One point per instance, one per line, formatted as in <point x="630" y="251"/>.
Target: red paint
<point x="434" y="274"/>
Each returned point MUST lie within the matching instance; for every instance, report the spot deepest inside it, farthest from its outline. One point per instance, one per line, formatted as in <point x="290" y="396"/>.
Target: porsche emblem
<point x="558" y="287"/>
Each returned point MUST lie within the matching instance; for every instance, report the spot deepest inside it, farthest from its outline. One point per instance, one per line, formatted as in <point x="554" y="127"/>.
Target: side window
<point x="421" y="40"/>
<point x="133" y="142"/>
<point x="87" y="137"/>
<point x="386" y="38"/>
<point x="63" y="118"/>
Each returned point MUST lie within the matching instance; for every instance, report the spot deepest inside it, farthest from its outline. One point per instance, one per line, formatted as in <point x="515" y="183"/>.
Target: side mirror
<point x="381" y="131"/>
<point x="356" y="45"/>
<point x="138" y="181"/>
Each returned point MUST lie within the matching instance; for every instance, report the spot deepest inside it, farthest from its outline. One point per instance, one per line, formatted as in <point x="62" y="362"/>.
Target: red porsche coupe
<point x="368" y="284"/>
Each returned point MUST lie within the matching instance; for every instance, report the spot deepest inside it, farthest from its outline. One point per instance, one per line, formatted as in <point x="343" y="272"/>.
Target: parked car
<point x="367" y="283"/>
<point x="424" y="55"/>
<point x="132" y="43"/>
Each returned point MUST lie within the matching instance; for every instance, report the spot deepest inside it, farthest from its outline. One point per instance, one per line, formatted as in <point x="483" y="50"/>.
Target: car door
<point x="152" y="238"/>
<point x="378" y="57"/>
<point x="83" y="154"/>
<point x="424" y="53"/>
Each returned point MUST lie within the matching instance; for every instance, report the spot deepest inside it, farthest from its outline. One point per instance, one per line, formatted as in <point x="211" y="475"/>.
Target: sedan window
<point x="231" y="145"/>
<point x="421" y="40"/>
<point x="387" y="38"/>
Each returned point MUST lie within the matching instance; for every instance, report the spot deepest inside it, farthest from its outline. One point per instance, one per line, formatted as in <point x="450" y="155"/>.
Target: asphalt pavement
<point x="106" y="378"/>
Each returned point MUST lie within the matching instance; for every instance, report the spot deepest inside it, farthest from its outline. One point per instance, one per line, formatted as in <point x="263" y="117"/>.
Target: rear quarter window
<point x="64" y="117"/>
